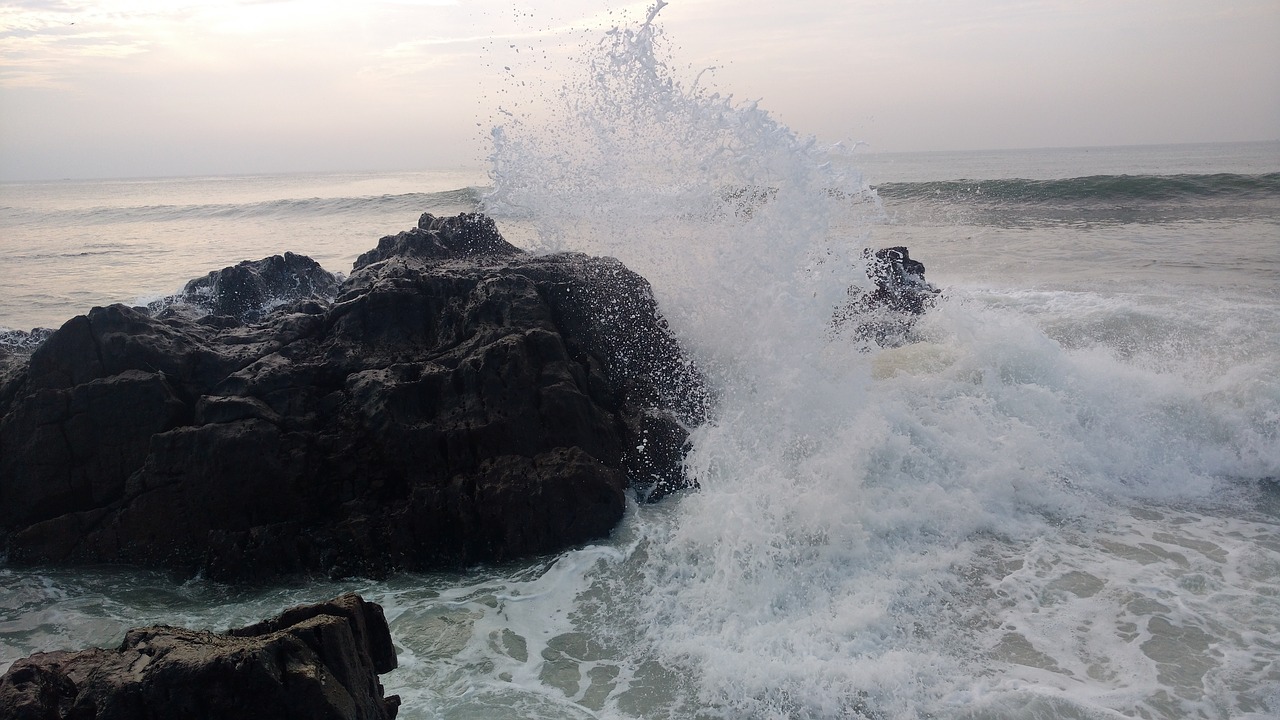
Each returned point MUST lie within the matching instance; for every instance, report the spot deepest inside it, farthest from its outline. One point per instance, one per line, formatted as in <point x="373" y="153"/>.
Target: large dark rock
<point x="460" y="401"/>
<point x="312" y="662"/>
<point x="886" y="313"/>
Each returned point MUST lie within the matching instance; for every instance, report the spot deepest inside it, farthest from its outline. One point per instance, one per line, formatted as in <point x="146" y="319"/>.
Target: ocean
<point x="1060" y="499"/>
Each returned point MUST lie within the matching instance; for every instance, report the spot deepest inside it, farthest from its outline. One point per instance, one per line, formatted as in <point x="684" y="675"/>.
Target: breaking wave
<point x="407" y="203"/>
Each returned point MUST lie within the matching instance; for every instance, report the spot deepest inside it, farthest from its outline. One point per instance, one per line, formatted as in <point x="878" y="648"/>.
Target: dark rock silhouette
<point x="459" y="401"/>
<point x="886" y="314"/>
<point x="312" y="662"/>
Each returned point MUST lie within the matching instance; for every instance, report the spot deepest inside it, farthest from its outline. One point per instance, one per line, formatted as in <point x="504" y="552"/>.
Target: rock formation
<point x="250" y="290"/>
<point x="314" y="662"/>
<point x="458" y="401"/>
<point x="885" y="314"/>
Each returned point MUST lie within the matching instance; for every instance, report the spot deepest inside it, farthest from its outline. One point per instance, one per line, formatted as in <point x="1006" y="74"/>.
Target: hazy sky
<point x="119" y="88"/>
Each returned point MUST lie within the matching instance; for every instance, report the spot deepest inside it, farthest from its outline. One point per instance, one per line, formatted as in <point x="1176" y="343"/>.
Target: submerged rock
<point x="459" y="401"/>
<point x="885" y="314"/>
<point x="315" y="662"/>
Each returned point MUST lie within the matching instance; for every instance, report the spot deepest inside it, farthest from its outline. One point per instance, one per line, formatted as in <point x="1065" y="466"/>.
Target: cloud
<point x="102" y="75"/>
<point x="49" y="44"/>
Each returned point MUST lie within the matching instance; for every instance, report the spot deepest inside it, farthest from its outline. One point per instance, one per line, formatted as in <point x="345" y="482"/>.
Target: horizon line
<point x="858" y="147"/>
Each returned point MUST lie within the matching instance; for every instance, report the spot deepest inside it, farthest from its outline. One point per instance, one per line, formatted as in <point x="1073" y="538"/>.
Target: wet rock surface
<point x="252" y="289"/>
<point x="317" y="661"/>
<point x="458" y="401"/>
<point x="885" y="313"/>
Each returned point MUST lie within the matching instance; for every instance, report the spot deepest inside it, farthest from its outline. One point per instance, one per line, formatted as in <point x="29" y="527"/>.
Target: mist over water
<point x="1059" y="501"/>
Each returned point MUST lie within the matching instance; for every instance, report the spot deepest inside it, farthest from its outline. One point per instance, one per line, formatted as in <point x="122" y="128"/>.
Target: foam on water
<point x="954" y="540"/>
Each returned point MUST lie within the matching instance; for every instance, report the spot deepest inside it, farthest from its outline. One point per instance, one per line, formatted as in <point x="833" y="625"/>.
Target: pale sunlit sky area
<point x="129" y="88"/>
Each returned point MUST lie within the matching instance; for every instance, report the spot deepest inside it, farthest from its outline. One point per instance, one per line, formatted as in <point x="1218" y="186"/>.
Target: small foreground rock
<point x="314" y="662"/>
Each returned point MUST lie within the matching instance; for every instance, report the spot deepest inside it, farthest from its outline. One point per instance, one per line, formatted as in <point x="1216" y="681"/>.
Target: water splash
<point x="862" y="517"/>
<point x="717" y="203"/>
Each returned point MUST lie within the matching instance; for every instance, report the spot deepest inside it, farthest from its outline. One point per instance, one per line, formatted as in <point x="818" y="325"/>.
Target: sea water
<point x="1059" y="500"/>
<point x="70" y="245"/>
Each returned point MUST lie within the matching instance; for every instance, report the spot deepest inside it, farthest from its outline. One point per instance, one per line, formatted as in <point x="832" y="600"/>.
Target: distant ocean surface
<point x="67" y="246"/>
<point x="70" y="245"/>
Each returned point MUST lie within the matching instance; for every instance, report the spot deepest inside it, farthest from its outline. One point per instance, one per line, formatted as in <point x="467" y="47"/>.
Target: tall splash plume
<point x="722" y="207"/>
<point x="749" y="233"/>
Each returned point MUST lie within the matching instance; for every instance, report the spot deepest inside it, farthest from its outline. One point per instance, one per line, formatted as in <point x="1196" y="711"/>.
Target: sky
<point x="134" y="88"/>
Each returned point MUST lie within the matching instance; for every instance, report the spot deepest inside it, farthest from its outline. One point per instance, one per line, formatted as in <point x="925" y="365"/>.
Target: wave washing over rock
<point x="458" y="401"/>
<point x="991" y="523"/>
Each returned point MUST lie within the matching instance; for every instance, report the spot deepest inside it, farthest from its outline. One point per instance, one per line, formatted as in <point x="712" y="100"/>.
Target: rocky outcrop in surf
<point x="459" y="401"/>
<point x="311" y="662"/>
<point x="886" y="313"/>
